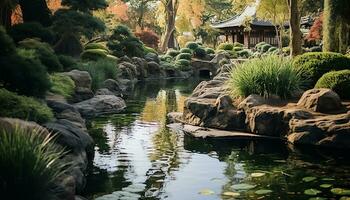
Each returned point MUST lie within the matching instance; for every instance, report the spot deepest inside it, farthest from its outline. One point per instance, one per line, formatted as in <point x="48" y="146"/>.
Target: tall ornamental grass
<point x="270" y="75"/>
<point x="29" y="164"/>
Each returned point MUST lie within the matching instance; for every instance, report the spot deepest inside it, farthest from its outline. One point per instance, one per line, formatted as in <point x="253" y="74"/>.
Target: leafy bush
<point x="272" y="49"/>
<point x="100" y="71"/>
<point x="183" y="64"/>
<point x="259" y="45"/>
<point x="93" y="54"/>
<point x="149" y="50"/>
<point x="166" y="58"/>
<point x="237" y="44"/>
<point x="29" y="161"/>
<point x="166" y="65"/>
<point x="44" y="53"/>
<point x="225" y="46"/>
<point x="264" y="48"/>
<point x="270" y="75"/>
<point x="148" y="37"/>
<point x="316" y="49"/>
<point x="6" y="43"/>
<point x="185" y="56"/>
<point x="96" y="46"/>
<point x="173" y="53"/>
<point x="338" y="81"/>
<point x="244" y="53"/>
<point x="67" y="62"/>
<point x="62" y="85"/>
<point x="186" y="50"/>
<point x="192" y="45"/>
<point x="26" y="30"/>
<point x="27" y="108"/>
<point x="210" y="51"/>
<point x="122" y="42"/>
<point x="200" y="53"/>
<point x="316" y="64"/>
<point x="286" y="50"/>
<point x="237" y="48"/>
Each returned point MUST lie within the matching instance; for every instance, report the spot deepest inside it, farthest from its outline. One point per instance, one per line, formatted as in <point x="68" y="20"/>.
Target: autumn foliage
<point x="148" y="37"/>
<point x="315" y="32"/>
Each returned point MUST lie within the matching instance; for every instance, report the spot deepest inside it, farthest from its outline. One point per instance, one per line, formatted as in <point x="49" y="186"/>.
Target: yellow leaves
<point x="119" y="9"/>
<point x="189" y="14"/>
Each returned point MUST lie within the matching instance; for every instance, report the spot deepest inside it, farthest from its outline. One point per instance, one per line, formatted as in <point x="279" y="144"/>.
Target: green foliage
<point x="210" y="51"/>
<point x="244" y="53"/>
<point x="67" y="62"/>
<point x="272" y="49"/>
<point x="85" y="5"/>
<point x="6" y="43"/>
<point x="147" y="50"/>
<point x="270" y="75"/>
<point x="237" y="48"/>
<point x="100" y="71"/>
<point x="225" y="46"/>
<point x="185" y="56"/>
<point x="186" y="50"/>
<point x="122" y="42"/>
<point x="338" y="81"/>
<point x="200" y="52"/>
<point x="26" y="30"/>
<point x="93" y="54"/>
<point x="237" y="44"/>
<point x="62" y="85"/>
<point x="30" y="163"/>
<point x="264" y="48"/>
<point x="27" y="108"/>
<point x="95" y="46"/>
<point x="316" y="64"/>
<point x="192" y="45"/>
<point x="224" y="62"/>
<point x="166" y="58"/>
<point x="173" y="53"/>
<point x="44" y="53"/>
<point x="183" y="64"/>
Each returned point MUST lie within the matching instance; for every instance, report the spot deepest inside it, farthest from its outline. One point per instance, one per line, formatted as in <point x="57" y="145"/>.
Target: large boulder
<point x="321" y="100"/>
<point x="113" y="86"/>
<point x="12" y="123"/>
<point x="153" y="69"/>
<point x="82" y="80"/>
<point x="152" y="57"/>
<point x="128" y="71"/>
<point x="100" y="105"/>
<point x="141" y="65"/>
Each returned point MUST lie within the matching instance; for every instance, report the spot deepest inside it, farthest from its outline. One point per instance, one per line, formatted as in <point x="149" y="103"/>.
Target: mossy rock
<point x="62" y="85"/>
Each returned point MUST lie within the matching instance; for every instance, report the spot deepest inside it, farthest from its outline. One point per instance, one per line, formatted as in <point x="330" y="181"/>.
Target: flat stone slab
<point x="207" y="133"/>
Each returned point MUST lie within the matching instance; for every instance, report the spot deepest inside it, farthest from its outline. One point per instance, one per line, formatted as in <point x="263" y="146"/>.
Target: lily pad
<point x="243" y="186"/>
<point x="340" y="191"/>
<point x="312" y="192"/>
<point x="257" y="174"/>
<point x="326" y="185"/>
<point x="318" y="198"/>
<point x="260" y="192"/>
<point x="206" y="192"/>
<point x="231" y="194"/>
<point x="309" y="179"/>
<point x="328" y="179"/>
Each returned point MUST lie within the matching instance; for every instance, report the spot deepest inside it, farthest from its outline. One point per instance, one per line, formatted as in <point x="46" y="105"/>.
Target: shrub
<point x="210" y="51"/>
<point x="224" y="62"/>
<point x="237" y="48"/>
<point x="149" y="50"/>
<point x="166" y="65"/>
<point x="316" y="49"/>
<point x="185" y="56"/>
<point x="93" y="54"/>
<point x="6" y="43"/>
<point x="67" y="62"/>
<point x="270" y="75"/>
<point x="200" y="53"/>
<point x="183" y="64"/>
<point x="186" y="50"/>
<point x="272" y="49"/>
<point x="27" y="108"/>
<point x="26" y="30"/>
<point x="29" y="161"/>
<point x="237" y="44"/>
<point x="338" y="81"/>
<point x="62" y="85"/>
<point x="246" y="53"/>
<point x="173" y="53"/>
<point x="286" y="50"/>
<point x="192" y="45"/>
<point x="44" y="53"/>
<point x="316" y="64"/>
<point x="166" y="58"/>
<point x="100" y="71"/>
<point x="264" y="48"/>
<point x="122" y="42"/>
<point x="259" y="45"/>
<point x="225" y="46"/>
<point x="148" y="37"/>
<point x="96" y="46"/>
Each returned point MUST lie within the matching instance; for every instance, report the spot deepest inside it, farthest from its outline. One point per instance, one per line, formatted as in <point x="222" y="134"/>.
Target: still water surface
<point x="137" y="157"/>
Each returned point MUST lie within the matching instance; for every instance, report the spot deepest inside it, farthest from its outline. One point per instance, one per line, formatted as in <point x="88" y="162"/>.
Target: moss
<point x="62" y="85"/>
<point x="22" y="107"/>
<point x="185" y="56"/>
<point x="94" y="54"/>
<point x="338" y="81"/>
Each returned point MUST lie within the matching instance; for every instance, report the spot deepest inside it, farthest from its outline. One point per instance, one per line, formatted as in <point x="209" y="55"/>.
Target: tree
<point x="315" y="33"/>
<point x="36" y="11"/>
<point x="295" y="33"/>
<point x="85" y="5"/>
<point x="140" y="8"/>
<point x="329" y="26"/>
<point x="170" y="9"/>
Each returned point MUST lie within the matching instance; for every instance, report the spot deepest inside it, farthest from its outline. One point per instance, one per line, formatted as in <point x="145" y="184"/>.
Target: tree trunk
<point x="36" y="11"/>
<point x="329" y="26"/>
<point x="6" y="17"/>
<point x="142" y="13"/>
<point x="295" y="33"/>
<point x="343" y="36"/>
<point x="171" y="10"/>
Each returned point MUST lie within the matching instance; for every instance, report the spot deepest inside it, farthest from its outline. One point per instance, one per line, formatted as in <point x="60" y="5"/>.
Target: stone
<point x="152" y="57"/>
<point x="220" y="56"/>
<point x="252" y="101"/>
<point x="305" y="138"/>
<point x="200" y="65"/>
<point x="141" y="65"/>
<point x="65" y="187"/>
<point x="81" y="78"/>
<point x="100" y="105"/>
<point x="128" y="71"/>
<point x="10" y="124"/>
<point x="174" y="117"/>
<point x="104" y="91"/>
<point x="81" y="94"/>
<point x="153" y="69"/>
<point x="113" y="86"/>
<point x="224" y="102"/>
<point x="321" y="100"/>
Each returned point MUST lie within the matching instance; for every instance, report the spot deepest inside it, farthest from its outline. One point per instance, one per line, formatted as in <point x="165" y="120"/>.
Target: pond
<point x="137" y="157"/>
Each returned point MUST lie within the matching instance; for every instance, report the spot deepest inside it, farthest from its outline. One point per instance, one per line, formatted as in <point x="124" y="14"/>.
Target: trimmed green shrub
<point x="62" y="85"/>
<point x="270" y="75"/>
<point x="244" y="53"/>
<point x="186" y="50"/>
<point x="210" y="51"/>
<point x="237" y="44"/>
<point x="259" y="45"/>
<point x="192" y="45"/>
<point x="338" y="81"/>
<point x="149" y="50"/>
<point x="123" y="42"/>
<point x="166" y="58"/>
<point x="264" y="48"/>
<point x="237" y="48"/>
<point x="93" y="54"/>
<point x="225" y="46"/>
<point x="26" y="30"/>
<point x="316" y="64"/>
<point x="68" y="62"/>
<point x="44" y="53"/>
<point x="100" y="71"/>
<point x="183" y="64"/>
<point x="31" y="162"/>
<point x="22" y="107"/>
<point x="272" y="49"/>
<point x="96" y="46"/>
<point x="166" y="65"/>
<point x="200" y="53"/>
<point x="173" y="53"/>
<point x="185" y="56"/>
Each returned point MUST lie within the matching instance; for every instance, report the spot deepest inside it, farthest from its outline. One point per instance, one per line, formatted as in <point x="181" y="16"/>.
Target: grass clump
<point x="22" y="107"/>
<point x="29" y="164"/>
<point x="62" y="85"/>
<point x="270" y="75"/>
<point x="338" y="81"/>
